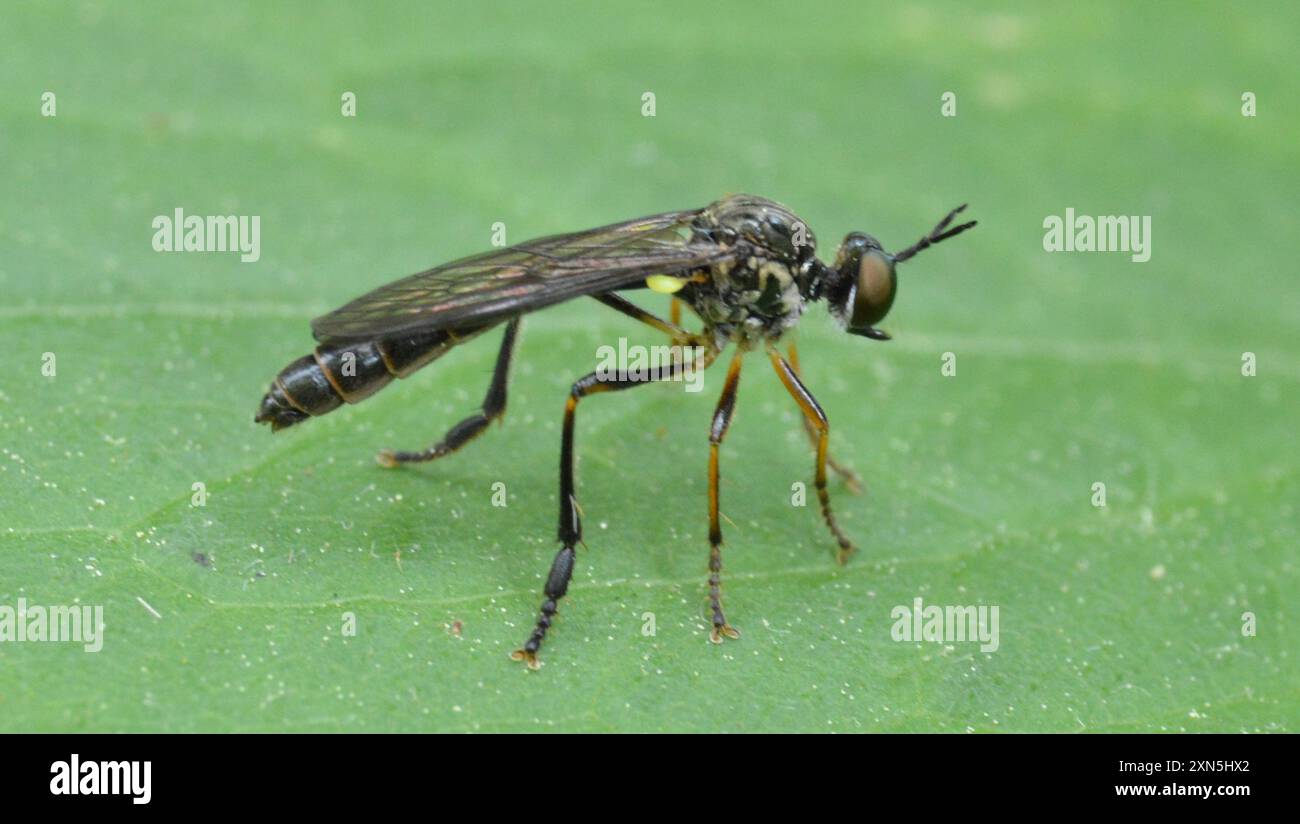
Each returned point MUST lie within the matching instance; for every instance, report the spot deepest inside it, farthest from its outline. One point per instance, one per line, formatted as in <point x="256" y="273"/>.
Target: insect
<point x="746" y="265"/>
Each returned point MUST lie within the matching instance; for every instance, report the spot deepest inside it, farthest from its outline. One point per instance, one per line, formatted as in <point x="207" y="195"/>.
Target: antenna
<point x="936" y="235"/>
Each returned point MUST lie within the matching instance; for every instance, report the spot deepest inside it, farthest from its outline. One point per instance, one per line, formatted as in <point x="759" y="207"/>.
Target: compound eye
<point x="874" y="292"/>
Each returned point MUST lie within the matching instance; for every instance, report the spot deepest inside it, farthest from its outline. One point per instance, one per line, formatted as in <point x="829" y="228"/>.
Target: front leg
<point x="851" y="479"/>
<point x="813" y="412"/>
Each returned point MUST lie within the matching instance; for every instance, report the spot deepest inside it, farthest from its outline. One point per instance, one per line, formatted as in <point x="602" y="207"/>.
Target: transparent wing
<point x="503" y="282"/>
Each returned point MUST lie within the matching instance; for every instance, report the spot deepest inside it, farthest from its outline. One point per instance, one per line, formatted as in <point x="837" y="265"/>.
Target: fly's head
<point x="861" y="284"/>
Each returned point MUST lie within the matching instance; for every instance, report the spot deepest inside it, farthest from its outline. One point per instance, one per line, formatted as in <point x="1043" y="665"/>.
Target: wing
<point x="488" y="287"/>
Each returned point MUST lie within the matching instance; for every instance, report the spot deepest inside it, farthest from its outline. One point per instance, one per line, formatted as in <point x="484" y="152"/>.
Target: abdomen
<point x="349" y="372"/>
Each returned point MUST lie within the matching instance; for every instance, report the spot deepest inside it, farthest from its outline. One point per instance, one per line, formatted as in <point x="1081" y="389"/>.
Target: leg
<point x="570" y="533"/>
<point x="671" y="329"/>
<point x="494" y="406"/>
<point x="721" y="420"/>
<point x="815" y="414"/>
<point x="678" y="335"/>
<point x="675" y="312"/>
<point x="851" y="479"/>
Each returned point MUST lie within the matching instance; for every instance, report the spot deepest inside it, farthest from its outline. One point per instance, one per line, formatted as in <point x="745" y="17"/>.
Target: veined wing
<point x="503" y="282"/>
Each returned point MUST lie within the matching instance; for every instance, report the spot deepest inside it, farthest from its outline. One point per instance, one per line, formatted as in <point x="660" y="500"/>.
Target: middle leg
<point x="721" y="421"/>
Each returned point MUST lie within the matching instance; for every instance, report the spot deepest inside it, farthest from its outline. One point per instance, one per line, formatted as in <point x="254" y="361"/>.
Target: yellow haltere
<point x="667" y="284"/>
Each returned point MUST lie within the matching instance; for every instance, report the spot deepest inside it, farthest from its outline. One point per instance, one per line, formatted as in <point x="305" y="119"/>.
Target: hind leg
<point x="494" y="406"/>
<point x="570" y="531"/>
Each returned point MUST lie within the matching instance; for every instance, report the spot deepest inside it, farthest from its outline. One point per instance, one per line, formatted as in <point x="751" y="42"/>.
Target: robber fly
<point x="745" y="265"/>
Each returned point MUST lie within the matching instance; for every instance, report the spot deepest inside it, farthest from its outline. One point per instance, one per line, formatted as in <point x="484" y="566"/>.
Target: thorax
<point x="748" y="301"/>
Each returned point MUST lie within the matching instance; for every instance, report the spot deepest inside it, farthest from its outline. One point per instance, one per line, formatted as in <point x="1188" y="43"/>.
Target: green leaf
<point x="1071" y="370"/>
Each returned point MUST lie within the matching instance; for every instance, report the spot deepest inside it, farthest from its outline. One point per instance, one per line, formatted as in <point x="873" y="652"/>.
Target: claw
<point x="529" y="658"/>
<point x="843" y="555"/>
<point x="723" y="631"/>
<point x="386" y="458"/>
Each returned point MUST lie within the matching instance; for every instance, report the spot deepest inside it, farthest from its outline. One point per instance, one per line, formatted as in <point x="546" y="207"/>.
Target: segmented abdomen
<point x="349" y="372"/>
